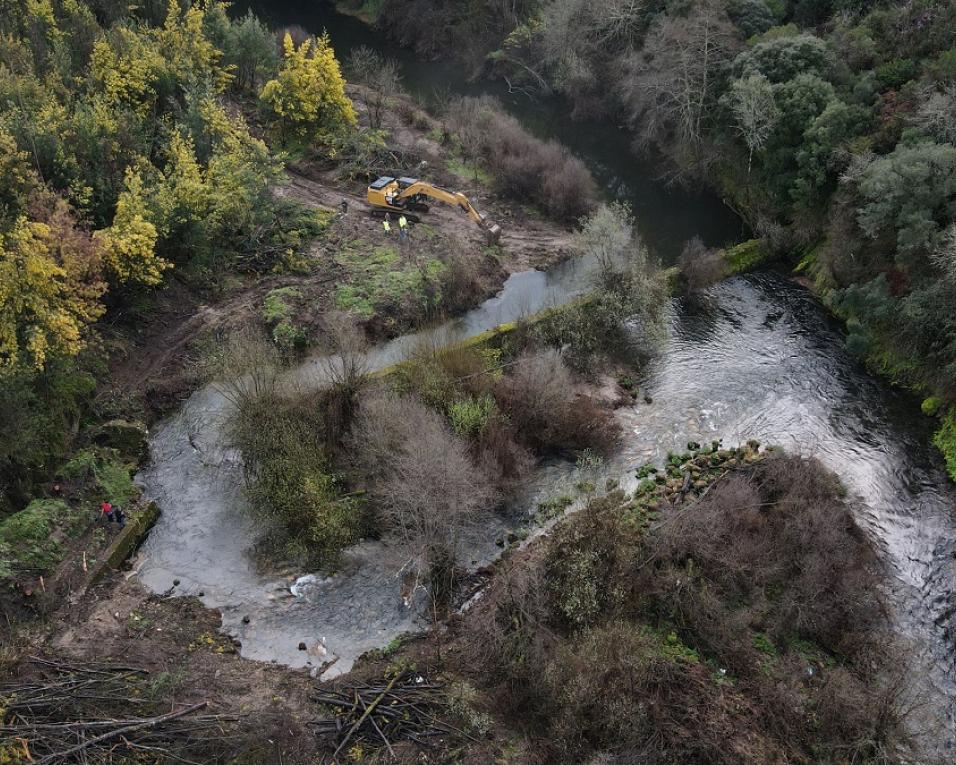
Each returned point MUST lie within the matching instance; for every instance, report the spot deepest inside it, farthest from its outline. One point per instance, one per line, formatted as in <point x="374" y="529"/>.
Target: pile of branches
<point x="92" y="713"/>
<point x="404" y="709"/>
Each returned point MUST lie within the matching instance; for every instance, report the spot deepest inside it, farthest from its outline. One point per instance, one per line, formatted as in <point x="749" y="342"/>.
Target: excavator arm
<point x="396" y="195"/>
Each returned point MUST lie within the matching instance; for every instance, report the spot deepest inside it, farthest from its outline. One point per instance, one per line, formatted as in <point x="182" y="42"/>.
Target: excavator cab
<point x="408" y="196"/>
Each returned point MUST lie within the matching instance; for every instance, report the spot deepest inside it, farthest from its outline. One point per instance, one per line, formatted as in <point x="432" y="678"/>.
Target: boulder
<point x="128" y="437"/>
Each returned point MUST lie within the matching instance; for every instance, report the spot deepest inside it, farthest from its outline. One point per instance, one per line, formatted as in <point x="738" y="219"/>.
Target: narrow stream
<point x="753" y="357"/>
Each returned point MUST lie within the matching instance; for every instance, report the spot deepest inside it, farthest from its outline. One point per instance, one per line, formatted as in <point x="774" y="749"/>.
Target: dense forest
<point x="125" y="156"/>
<point x="827" y="125"/>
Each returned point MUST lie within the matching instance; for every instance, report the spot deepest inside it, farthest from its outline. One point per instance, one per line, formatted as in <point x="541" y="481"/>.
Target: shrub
<point x="28" y="539"/>
<point x="538" y="397"/>
<point x="421" y="479"/>
<point x="701" y="266"/>
<point x="470" y="416"/>
<point x="290" y="481"/>
<point x="945" y="440"/>
<point x="523" y="166"/>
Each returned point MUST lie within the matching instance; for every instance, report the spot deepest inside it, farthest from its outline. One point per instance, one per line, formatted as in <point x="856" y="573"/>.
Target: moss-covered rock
<point x="745" y="256"/>
<point x="129" y="438"/>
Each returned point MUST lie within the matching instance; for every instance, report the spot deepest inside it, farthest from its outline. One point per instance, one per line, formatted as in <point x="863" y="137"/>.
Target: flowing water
<point x="753" y="357"/>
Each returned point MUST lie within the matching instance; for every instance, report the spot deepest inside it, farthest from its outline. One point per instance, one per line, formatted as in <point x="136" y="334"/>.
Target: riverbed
<point x="753" y="357"/>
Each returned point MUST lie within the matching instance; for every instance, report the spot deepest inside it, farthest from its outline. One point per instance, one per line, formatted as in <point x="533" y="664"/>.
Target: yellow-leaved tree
<point x="129" y="245"/>
<point x="41" y="313"/>
<point x="307" y="97"/>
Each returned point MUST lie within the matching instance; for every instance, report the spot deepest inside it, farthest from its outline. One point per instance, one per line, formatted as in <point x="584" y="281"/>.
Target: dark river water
<point x="753" y="357"/>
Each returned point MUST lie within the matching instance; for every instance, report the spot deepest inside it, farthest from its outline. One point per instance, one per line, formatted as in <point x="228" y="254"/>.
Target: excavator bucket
<point x="493" y="230"/>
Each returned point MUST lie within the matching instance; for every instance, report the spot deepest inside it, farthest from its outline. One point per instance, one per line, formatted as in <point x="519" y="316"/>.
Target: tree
<point x="250" y="48"/>
<point x="129" y="245"/>
<point x="783" y="58"/>
<point x="752" y="103"/>
<point x="672" y="85"/>
<point x="40" y="315"/>
<point x="382" y="78"/>
<point x="909" y="194"/>
<point x="307" y="97"/>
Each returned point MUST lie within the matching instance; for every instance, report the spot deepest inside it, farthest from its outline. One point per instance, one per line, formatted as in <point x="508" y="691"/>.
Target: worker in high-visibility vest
<point x="387" y="224"/>
<point x="403" y="227"/>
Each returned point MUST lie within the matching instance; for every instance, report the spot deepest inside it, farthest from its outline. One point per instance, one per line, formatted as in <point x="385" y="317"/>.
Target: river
<point x="753" y="357"/>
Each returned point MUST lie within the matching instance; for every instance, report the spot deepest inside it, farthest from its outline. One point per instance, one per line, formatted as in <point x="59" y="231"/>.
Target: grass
<point x="469" y="171"/>
<point x="28" y="541"/>
<point x="381" y="277"/>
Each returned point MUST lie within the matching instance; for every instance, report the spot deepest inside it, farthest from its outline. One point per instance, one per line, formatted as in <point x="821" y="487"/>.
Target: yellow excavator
<point x="409" y="196"/>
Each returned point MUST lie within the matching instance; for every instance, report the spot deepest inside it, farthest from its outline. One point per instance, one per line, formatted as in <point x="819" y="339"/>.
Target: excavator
<point x="408" y="196"/>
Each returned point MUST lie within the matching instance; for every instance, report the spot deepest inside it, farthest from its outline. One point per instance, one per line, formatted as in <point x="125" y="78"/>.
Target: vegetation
<point x="122" y="162"/>
<point x="828" y="125"/>
<point x="643" y="617"/>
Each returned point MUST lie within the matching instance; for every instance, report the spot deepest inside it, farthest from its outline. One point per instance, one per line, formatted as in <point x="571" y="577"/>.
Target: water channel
<point x="753" y="357"/>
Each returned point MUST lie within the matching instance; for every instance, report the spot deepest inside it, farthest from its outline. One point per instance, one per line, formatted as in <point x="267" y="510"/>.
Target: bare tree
<point x="419" y="474"/>
<point x="702" y="266"/>
<point x="381" y="77"/>
<point x="671" y="84"/>
<point x="755" y="110"/>
<point x="936" y="115"/>
<point x="945" y="256"/>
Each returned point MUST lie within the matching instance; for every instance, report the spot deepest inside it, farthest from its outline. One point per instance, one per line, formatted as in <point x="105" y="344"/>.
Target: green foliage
<point x="895" y="73"/>
<point x="290" y="483"/>
<point x="276" y="306"/>
<point x="931" y="405"/>
<point x="31" y="540"/>
<point x="106" y="478"/>
<point x="782" y="58"/>
<point x="746" y="256"/>
<point x="470" y="416"/>
<point x="945" y="440"/>
<point x="908" y="195"/>
<point x="307" y="98"/>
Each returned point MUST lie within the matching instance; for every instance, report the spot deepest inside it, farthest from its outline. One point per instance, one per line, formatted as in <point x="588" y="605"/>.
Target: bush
<point x="750" y="617"/>
<point x="421" y="479"/>
<point x="539" y="398"/>
<point x="29" y="542"/>
<point x="701" y="266"/>
<point x="523" y="166"/>
<point x="945" y="440"/>
<point x="290" y="481"/>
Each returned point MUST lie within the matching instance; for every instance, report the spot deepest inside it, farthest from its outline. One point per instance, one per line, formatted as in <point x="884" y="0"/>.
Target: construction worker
<point x="387" y="224"/>
<point x="403" y="227"/>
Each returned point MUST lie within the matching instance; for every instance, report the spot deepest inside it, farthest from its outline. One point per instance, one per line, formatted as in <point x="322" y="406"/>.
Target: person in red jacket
<point x="107" y="509"/>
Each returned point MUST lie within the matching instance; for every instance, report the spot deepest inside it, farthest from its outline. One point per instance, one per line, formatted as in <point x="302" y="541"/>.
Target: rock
<point x="648" y="400"/>
<point x="500" y="542"/>
<point x="246" y="619"/>
<point x="512" y="537"/>
<point x="302" y="646"/>
<point x="129" y="438"/>
<point x="175" y="583"/>
<point x="201" y="594"/>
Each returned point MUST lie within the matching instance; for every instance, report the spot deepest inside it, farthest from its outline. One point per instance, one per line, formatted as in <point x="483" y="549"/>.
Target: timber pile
<point x="404" y="709"/>
<point x="70" y="713"/>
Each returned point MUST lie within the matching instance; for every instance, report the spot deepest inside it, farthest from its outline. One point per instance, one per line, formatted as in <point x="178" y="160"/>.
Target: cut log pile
<point x="406" y="708"/>
<point x="91" y="713"/>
